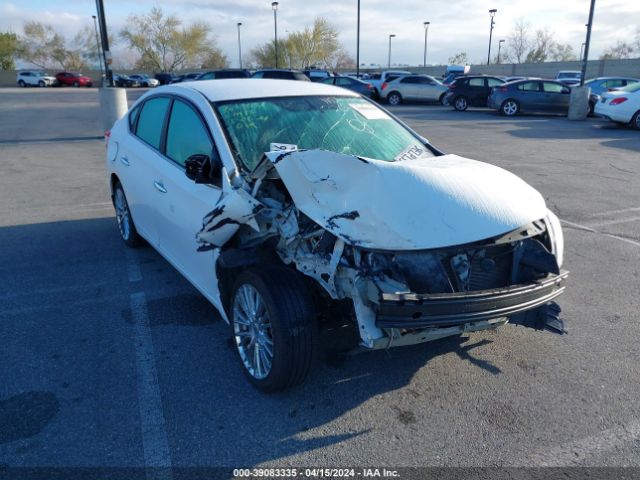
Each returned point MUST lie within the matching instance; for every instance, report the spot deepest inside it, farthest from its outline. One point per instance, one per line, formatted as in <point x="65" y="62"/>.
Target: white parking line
<point x="579" y="452"/>
<point x="133" y="267"/>
<point x="592" y="230"/>
<point x="157" y="457"/>
<point x="614" y="222"/>
<point x="612" y="212"/>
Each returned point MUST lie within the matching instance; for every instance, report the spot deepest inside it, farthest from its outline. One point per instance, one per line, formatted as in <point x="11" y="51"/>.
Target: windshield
<point x="348" y="125"/>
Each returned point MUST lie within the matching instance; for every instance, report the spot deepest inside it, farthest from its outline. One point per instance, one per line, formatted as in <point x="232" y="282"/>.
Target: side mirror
<point x="201" y="169"/>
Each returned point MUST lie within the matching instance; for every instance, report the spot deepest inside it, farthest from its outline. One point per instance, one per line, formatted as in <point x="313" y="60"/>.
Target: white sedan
<point x="298" y="206"/>
<point x="621" y="105"/>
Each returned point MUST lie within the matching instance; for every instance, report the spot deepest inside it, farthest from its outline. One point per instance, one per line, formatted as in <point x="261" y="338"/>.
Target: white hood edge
<point x="411" y="205"/>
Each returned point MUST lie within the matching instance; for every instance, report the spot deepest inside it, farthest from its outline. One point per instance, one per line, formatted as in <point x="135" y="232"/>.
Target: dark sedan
<point x="363" y="88"/>
<point x="124" y="81"/>
<point x="544" y="96"/>
<point x="186" y="77"/>
<point x="470" y="90"/>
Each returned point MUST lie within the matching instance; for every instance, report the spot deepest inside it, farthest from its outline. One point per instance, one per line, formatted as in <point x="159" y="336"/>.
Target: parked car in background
<point x="353" y="84"/>
<point x="360" y="76"/>
<point x="145" y="80"/>
<point x="316" y="75"/>
<point x="377" y="79"/>
<point x="226" y="73"/>
<point x="539" y="96"/>
<point x="322" y="208"/>
<point x="185" y="77"/>
<point x="281" y="74"/>
<point x="605" y="84"/>
<point x="413" y="88"/>
<point x="454" y="71"/>
<point x="73" y="79"/>
<point x="621" y="105"/>
<point x="35" y="78"/>
<point x="164" y="78"/>
<point x="124" y="81"/>
<point x="471" y="90"/>
<point x="569" y="77"/>
<point x="514" y="79"/>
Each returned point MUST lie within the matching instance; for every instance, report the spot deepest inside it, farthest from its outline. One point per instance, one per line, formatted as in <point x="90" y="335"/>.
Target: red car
<point x="73" y="79"/>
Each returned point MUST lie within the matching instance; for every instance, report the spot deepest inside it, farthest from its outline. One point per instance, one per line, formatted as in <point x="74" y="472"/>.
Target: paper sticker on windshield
<point x="282" y="147"/>
<point x="412" y="153"/>
<point x="370" y="112"/>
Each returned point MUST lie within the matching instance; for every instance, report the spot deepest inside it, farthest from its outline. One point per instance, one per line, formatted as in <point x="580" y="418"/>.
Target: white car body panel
<point x="34" y="80"/>
<point x="408" y="205"/>
<point x="623" y="112"/>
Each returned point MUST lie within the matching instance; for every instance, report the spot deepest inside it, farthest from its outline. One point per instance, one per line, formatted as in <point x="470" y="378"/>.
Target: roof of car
<point x="236" y="89"/>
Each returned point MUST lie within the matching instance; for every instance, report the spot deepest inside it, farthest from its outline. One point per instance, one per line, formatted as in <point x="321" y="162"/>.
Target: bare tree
<point x="561" y="52"/>
<point x="459" y="59"/>
<point x="164" y="44"/>
<point x="518" y="43"/>
<point x="542" y="46"/>
<point x="618" y="51"/>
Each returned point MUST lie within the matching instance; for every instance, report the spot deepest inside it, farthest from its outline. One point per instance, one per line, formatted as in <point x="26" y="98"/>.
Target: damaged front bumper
<point x="528" y="305"/>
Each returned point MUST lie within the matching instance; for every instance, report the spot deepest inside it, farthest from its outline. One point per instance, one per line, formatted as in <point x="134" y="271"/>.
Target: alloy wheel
<point x="510" y="108"/>
<point x="122" y="214"/>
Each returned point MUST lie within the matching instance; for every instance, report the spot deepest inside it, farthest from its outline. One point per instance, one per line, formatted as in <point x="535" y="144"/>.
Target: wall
<point x="595" y="68"/>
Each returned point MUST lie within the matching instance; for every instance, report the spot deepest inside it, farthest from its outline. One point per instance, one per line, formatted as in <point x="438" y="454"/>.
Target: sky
<point x="456" y="25"/>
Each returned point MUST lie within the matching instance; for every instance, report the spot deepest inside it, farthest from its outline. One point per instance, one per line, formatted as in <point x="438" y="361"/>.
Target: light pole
<point x="274" y="6"/>
<point x="492" y="13"/>
<point x="390" y="37"/>
<point x="587" y="41"/>
<point x="499" y="48"/>
<point x="358" y="45"/>
<point x="426" y="32"/>
<point x="582" y="50"/>
<point x="239" y="46"/>
<point x="95" y="24"/>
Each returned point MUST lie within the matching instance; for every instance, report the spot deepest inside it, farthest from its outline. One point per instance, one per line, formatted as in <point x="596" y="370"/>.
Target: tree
<point x="8" y="50"/>
<point x="559" y="52"/>
<point x="618" y="51"/>
<point x="164" y="44"/>
<point x="518" y="42"/>
<point x="542" y="46"/>
<point x="42" y="46"/>
<point x="215" y="59"/>
<point x="315" y="45"/>
<point x="458" y="59"/>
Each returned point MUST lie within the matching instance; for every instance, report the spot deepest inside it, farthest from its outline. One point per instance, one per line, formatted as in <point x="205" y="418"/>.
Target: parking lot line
<point x="614" y="222"/>
<point x="157" y="457"/>
<point x="612" y="212"/>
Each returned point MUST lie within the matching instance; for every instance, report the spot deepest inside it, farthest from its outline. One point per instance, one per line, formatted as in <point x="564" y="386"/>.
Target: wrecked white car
<point x="290" y="205"/>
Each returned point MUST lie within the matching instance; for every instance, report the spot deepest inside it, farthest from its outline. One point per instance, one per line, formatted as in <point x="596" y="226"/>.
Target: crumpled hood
<point x="414" y="204"/>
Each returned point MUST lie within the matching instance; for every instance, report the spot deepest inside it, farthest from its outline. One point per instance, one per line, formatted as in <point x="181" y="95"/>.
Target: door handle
<point x="125" y="161"/>
<point x="160" y="187"/>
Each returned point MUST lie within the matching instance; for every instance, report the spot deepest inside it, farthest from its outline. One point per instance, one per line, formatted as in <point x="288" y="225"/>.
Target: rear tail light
<point x="107" y="135"/>
<point x="618" y="100"/>
<point x="384" y="85"/>
<point x="369" y="86"/>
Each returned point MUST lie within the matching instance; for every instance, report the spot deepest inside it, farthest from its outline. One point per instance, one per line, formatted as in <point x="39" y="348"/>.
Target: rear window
<point x="151" y="120"/>
<point x="231" y="74"/>
<point x="528" y="86"/>
<point x="632" y="87"/>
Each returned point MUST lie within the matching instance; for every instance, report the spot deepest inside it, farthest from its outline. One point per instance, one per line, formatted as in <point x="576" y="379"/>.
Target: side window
<point x="549" y="87"/>
<point x="494" y="82"/>
<point x="343" y="82"/>
<point x="410" y="80"/>
<point x="186" y="134"/>
<point x="476" y="82"/>
<point x="258" y="75"/>
<point x="133" y="116"/>
<point x="151" y="121"/>
<point x="208" y="76"/>
<point x="528" y="87"/>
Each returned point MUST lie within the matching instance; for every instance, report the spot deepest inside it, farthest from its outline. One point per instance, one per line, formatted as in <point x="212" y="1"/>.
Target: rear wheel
<point x="274" y="327"/>
<point x="41" y="83"/>
<point x="22" y="84"/>
<point x="76" y="84"/>
<point x="394" y="98"/>
<point x="461" y="104"/>
<point x="442" y="100"/>
<point x="510" y="107"/>
<point x="635" y="121"/>
<point x="126" y="226"/>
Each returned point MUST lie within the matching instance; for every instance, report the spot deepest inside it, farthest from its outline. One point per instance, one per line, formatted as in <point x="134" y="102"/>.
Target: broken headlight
<point x="556" y="236"/>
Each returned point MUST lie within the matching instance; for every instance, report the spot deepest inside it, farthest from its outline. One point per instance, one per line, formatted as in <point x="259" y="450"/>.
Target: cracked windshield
<point x="346" y="125"/>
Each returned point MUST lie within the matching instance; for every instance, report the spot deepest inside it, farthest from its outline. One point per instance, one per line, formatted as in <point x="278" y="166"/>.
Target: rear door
<point x="530" y="96"/>
<point x="478" y="91"/>
<point x="408" y="87"/>
<point x="183" y="204"/>
<point x="556" y="97"/>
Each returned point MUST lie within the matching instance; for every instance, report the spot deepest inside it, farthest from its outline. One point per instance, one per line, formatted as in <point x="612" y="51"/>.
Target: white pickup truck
<point x="377" y="79"/>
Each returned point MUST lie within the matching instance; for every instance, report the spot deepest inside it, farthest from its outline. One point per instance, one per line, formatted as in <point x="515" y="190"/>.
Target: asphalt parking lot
<point x="110" y="359"/>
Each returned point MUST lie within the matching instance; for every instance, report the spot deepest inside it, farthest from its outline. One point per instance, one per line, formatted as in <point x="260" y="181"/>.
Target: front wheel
<point x="635" y="121"/>
<point x="394" y="98"/>
<point x="510" y="108"/>
<point x="442" y="99"/>
<point x="461" y="104"/>
<point x="22" y="84"/>
<point x="41" y="84"/>
<point x="274" y="327"/>
<point x="126" y="226"/>
<point x="76" y="84"/>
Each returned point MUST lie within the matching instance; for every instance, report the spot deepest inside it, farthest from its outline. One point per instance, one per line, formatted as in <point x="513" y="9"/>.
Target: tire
<point x="461" y="103"/>
<point x="635" y="121"/>
<point x="394" y="98"/>
<point x="126" y="227"/>
<point x="41" y="84"/>
<point x="592" y="108"/>
<point x="22" y="84"/>
<point x="76" y="84"/>
<point x="510" y="107"/>
<point x="285" y="324"/>
<point x="441" y="100"/>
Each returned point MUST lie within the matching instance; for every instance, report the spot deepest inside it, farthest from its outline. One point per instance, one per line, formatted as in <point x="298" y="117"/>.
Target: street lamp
<point x="239" y="46"/>
<point x="426" y="32"/>
<point x="274" y="6"/>
<point x="499" y="48"/>
<point x="492" y="13"/>
<point x="95" y="24"/>
<point x="390" y="37"/>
